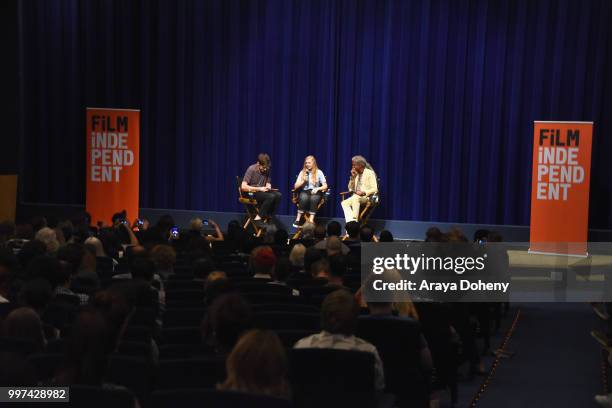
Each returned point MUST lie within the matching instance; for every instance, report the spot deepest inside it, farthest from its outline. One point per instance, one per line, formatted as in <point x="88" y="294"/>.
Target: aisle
<point x="556" y="362"/>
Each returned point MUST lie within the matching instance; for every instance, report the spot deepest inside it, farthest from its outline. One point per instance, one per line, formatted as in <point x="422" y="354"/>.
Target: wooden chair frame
<point x="250" y="206"/>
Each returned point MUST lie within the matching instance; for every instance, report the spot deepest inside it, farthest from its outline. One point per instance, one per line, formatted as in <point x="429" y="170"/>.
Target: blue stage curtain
<point x="440" y="96"/>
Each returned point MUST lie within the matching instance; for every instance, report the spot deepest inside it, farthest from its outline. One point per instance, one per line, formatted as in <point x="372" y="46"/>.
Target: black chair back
<point x="197" y="398"/>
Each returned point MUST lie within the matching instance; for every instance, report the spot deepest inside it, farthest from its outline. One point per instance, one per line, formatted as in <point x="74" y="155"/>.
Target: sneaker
<point x="295" y="224"/>
<point x="604" y="400"/>
<point x="603" y="315"/>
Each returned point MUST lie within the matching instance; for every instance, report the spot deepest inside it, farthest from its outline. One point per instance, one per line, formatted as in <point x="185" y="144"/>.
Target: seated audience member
<point x="87" y="353"/>
<point x="262" y="261"/>
<point x="320" y="270"/>
<point x="201" y="268"/>
<point x="366" y="233"/>
<point x="61" y="280"/>
<point x="29" y="251"/>
<point x="96" y="245"/>
<point x="7" y="232"/>
<point x="385" y="236"/>
<point x="333" y="246"/>
<point x="434" y="234"/>
<point x="269" y="233"/>
<point x="24" y="323"/>
<point x="308" y="231"/>
<point x="216" y="284"/>
<point x="228" y="318"/>
<point x="385" y="310"/>
<point x="164" y="258"/>
<point x="339" y="318"/>
<point x="48" y="237"/>
<point x="15" y="371"/>
<point x="258" y="365"/>
<point x="36" y="293"/>
<point x="134" y="253"/>
<point x="8" y="272"/>
<point x="281" y="239"/>
<point x="281" y="272"/>
<point x="296" y="257"/>
<point x="319" y="233"/>
<point x="138" y="290"/>
<point x="352" y="233"/>
<point x="333" y="230"/>
<point x="83" y="262"/>
<point x="337" y="271"/>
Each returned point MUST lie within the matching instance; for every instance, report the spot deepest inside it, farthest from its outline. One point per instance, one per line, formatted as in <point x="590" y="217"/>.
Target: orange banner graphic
<point x="113" y="145"/>
<point x="560" y="187"/>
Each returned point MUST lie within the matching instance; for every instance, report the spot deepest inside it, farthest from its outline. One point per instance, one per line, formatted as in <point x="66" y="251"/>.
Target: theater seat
<point x="198" y="398"/>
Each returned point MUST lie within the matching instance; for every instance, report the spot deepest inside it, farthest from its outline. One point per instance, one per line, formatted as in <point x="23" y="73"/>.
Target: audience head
<point x="296" y="256"/>
<point x="87" y="349"/>
<point x="385" y="236"/>
<point x="311" y="256"/>
<point x="319" y="232"/>
<point x="333" y="246"/>
<point x="36" y="293"/>
<point x="339" y="313"/>
<point x="195" y="224"/>
<point x="320" y="269"/>
<point x="308" y="230"/>
<point x="202" y="267"/>
<point x="163" y="256"/>
<point x="76" y="255"/>
<point x="352" y="230"/>
<point x="48" y="237"/>
<point x="49" y="268"/>
<point x="366" y="233"/>
<point x="258" y="365"/>
<point x="334" y="229"/>
<point x="434" y="234"/>
<point x="29" y="251"/>
<point x="281" y="237"/>
<point x="481" y="235"/>
<point x="95" y="244"/>
<point x="38" y="223"/>
<point x="230" y="317"/>
<point x="143" y="268"/>
<point x="282" y="269"/>
<point x="9" y="266"/>
<point x="456" y="235"/>
<point x="24" y="323"/>
<point x="216" y="285"/>
<point x="337" y="269"/>
<point x="494" y="236"/>
<point x="262" y="260"/>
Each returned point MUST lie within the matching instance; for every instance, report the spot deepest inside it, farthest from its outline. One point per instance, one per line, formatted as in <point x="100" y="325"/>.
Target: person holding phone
<point x="257" y="180"/>
<point x="312" y="183"/>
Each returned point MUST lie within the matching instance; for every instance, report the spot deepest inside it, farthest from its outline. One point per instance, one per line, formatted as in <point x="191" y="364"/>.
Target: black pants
<point x="267" y="201"/>
<point x="309" y="202"/>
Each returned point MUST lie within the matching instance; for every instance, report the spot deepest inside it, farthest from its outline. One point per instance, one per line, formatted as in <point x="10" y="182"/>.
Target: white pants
<point x="351" y="207"/>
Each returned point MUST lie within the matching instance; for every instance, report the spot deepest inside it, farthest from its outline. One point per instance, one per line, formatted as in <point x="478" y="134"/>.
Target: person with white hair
<point x="48" y="237"/>
<point x="362" y="184"/>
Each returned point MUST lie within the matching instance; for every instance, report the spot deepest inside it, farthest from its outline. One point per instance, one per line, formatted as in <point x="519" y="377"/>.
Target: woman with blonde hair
<point x="311" y="181"/>
<point x="258" y="365"/>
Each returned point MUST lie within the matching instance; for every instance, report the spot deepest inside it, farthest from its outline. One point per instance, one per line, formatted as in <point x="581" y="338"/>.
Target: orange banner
<point x="560" y="187"/>
<point x="113" y="145"/>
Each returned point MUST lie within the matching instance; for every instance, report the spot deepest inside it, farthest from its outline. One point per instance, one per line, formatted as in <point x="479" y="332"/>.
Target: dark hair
<point x="334" y="229"/>
<point x="230" y="316"/>
<point x="494" y="236"/>
<point x="73" y="254"/>
<point x="352" y="229"/>
<point x="280" y="237"/>
<point x="339" y="313"/>
<point x="321" y="265"/>
<point x="142" y="268"/>
<point x="282" y="269"/>
<point x="21" y="372"/>
<point x="386" y="236"/>
<point x="29" y="251"/>
<point x="9" y="265"/>
<point x="434" y="234"/>
<point x="366" y="233"/>
<point x="311" y="256"/>
<point x="201" y="267"/>
<point x="87" y="349"/>
<point x="49" y="268"/>
<point x="38" y="222"/>
<point x="36" y="293"/>
<point x="24" y="323"/>
<point x="319" y="232"/>
<point x="480" y="234"/>
<point x="264" y="160"/>
<point x="337" y="265"/>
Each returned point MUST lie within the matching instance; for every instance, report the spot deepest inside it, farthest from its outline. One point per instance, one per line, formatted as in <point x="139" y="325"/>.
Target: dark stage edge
<point x="401" y="229"/>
